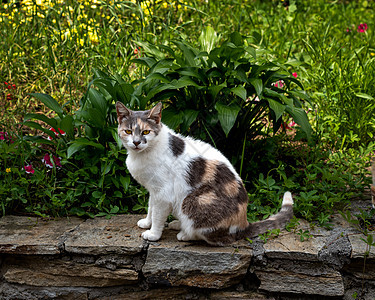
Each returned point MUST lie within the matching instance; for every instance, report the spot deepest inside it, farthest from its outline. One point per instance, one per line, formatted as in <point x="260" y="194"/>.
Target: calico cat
<point x="190" y="179"/>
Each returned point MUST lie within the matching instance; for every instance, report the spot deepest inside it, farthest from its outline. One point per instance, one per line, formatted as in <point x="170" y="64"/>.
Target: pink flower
<point x="47" y="161"/>
<point x="62" y="132"/>
<point x="362" y="27"/>
<point x="280" y="84"/>
<point x="295" y="74"/>
<point x="29" y="169"/>
<point x="3" y="135"/>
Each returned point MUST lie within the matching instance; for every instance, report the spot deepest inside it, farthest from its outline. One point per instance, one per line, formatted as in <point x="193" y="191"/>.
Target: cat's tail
<point x="278" y="220"/>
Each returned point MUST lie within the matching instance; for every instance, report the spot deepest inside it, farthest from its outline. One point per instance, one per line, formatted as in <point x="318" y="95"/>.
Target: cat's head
<point x="138" y="129"/>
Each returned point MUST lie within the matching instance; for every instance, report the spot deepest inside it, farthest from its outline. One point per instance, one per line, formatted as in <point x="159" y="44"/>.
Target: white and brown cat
<point x="189" y="179"/>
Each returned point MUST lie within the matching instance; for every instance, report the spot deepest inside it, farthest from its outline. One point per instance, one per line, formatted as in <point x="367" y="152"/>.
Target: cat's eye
<point x="145" y="132"/>
<point x="128" y="131"/>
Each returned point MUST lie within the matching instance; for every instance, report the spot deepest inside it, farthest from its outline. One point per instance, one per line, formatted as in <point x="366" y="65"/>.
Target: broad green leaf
<point x="39" y="127"/>
<point x="49" y="102"/>
<point x="80" y="144"/>
<point x="215" y="89"/>
<point x="184" y="81"/>
<point x="67" y="124"/>
<point x="208" y="39"/>
<point x="49" y="121"/>
<point x="300" y="117"/>
<point x="281" y="96"/>
<point x="97" y="100"/>
<point x="190" y="116"/>
<point x="240" y="91"/>
<point x="188" y="54"/>
<point x="146" y="61"/>
<point x="125" y="181"/>
<point x="258" y="85"/>
<point x="277" y="107"/>
<point x="172" y="118"/>
<point x="227" y="115"/>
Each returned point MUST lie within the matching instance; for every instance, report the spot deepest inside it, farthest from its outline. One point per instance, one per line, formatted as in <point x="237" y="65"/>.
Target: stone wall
<point x="107" y="259"/>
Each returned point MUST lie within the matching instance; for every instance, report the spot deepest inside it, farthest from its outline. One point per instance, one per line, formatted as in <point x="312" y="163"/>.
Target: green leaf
<point x="258" y="85"/>
<point x="67" y="125"/>
<point x="364" y="96"/>
<point x="208" y="39"/>
<point x="39" y="127"/>
<point x="277" y="107"/>
<point x="80" y="144"/>
<point x="49" y="121"/>
<point x="172" y="118"/>
<point x="49" y="102"/>
<point x="215" y="89"/>
<point x="227" y="115"/>
<point x="240" y="91"/>
<point x="125" y="181"/>
<point x="190" y="116"/>
<point x="97" y="100"/>
<point x="300" y="117"/>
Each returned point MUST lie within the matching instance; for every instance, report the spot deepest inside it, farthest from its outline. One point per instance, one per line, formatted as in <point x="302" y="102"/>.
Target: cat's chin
<point x="136" y="149"/>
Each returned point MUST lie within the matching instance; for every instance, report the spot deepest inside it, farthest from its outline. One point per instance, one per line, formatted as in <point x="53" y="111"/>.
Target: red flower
<point x="29" y="169"/>
<point x="9" y="97"/>
<point x="362" y="27"/>
<point x="295" y="74"/>
<point x="62" y="132"/>
<point x="47" y="161"/>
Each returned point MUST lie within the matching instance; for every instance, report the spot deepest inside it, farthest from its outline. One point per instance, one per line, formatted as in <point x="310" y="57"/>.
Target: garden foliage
<point x="283" y="88"/>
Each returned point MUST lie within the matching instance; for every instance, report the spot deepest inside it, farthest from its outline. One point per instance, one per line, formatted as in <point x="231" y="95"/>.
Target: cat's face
<point x="138" y="129"/>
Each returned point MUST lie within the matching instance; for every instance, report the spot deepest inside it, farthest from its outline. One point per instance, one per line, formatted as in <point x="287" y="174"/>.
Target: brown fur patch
<point x="238" y="219"/>
<point x="210" y="171"/>
<point x="206" y="199"/>
<point x="231" y="188"/>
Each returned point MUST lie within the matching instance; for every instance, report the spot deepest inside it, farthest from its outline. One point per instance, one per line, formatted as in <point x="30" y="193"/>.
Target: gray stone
<point x="170" y="262"/>
<point x="337" y="250"/>
<point x="24" y="235"/>
<point x="118" y="235"/>
<point x="248" y="295"/>
<point x="300" y="278"/>
<point x="57" y="273"/>
<point x="360" y="247"/>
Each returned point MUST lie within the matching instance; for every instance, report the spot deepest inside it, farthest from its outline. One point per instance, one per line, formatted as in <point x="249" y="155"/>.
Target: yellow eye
<point x="128" y="131"/>
<point x="145" y="132"/>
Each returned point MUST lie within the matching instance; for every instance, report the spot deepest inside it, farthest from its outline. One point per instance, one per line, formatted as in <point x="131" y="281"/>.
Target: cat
<point x="189" y="179"/>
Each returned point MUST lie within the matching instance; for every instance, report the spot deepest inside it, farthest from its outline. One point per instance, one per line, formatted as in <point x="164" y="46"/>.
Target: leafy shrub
<point x="219" y="93"/>
<point x="84" y="152"/>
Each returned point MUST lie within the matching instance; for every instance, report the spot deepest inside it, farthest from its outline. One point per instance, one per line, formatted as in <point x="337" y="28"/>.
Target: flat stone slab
<point x="117" y="235"/>
<point x="51" y="273"/>
<point x="195" y="264"/>
<point x="360" y="248"/>
<point x="24" y="235"/>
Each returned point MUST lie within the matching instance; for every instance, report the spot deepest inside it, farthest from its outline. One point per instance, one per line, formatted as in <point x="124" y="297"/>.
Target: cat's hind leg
<point x="183" y="236"/>
<point x="175" y="225"/>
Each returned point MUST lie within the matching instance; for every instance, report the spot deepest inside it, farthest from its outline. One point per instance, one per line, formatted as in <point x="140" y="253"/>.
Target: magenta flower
<point x="280" y="84"/>
<point x="362" y="27"/>
<point x="295" y="74"/>
<point x="29" y="169"/>
<point x="48" y="162"/>
<point x="3" y="135"/>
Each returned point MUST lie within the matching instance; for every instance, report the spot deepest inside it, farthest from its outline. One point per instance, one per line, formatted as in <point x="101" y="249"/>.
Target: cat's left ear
<point x="155" y="113"/>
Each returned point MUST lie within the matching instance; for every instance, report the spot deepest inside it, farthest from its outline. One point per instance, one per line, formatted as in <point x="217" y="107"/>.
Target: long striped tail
<point x="278" y="220"/>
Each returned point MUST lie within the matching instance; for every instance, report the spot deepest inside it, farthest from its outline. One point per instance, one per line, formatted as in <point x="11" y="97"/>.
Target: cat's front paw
<point x="144" y="223"/>
<point x="151" y="236"/>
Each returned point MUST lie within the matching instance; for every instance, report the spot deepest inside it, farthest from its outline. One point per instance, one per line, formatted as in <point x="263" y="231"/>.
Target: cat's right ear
<point x="122" y="112"/>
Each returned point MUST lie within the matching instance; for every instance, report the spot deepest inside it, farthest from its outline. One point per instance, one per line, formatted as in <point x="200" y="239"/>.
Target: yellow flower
<point x="8" y="170"/>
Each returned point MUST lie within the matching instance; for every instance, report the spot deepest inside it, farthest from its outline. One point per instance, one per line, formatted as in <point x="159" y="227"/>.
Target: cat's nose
<point x="136" y="143"/>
